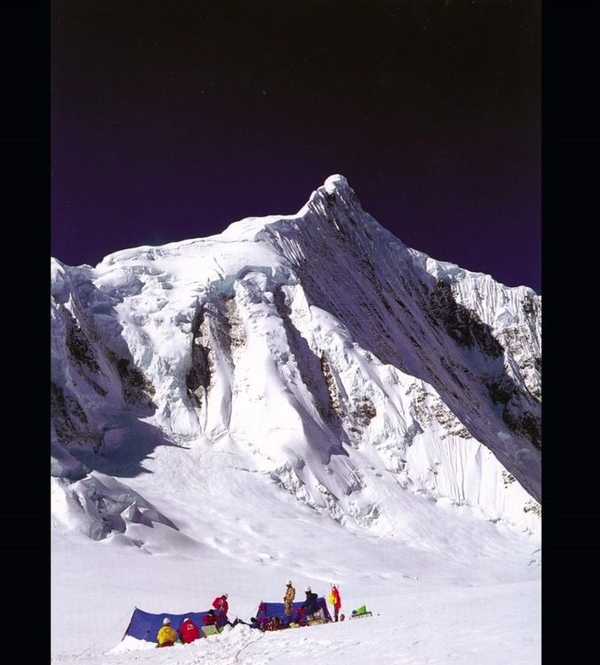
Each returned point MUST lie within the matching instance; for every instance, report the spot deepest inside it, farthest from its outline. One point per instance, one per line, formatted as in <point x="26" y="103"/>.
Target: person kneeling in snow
<point x="310" y="604"/>
<point x="213" y="618"/>
<point x="210" y="619"/>
<point x="188" y="631"/>
<point x="166" y="635"/>
<point x="275" y="624"/>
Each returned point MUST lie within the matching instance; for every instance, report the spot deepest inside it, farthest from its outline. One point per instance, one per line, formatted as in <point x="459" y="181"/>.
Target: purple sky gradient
<point x="172" y="123"/>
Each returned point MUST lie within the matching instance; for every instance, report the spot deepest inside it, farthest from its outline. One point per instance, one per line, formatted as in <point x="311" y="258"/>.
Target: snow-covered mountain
<point x="299" y="396"/>
<point x="348" y="369"/>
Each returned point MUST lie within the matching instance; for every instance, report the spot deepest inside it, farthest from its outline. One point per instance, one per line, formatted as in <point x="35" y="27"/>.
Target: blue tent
<point x="269" y="610"/>
<point x="145" y="626"/>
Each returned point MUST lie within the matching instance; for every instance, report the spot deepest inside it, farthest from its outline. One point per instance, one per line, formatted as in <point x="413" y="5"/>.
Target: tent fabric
<point x="268" y="611"/>
<point x="145" y="626"/>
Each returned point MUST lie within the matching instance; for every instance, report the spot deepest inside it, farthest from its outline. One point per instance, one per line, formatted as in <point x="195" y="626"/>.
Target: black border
<point x="571" y="540"/>
<point x="24" y="504"/>
<point x="571" y="514"/>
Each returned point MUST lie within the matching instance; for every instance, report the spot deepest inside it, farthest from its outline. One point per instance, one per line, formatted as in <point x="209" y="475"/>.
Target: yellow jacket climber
<point x="167" y="636"/>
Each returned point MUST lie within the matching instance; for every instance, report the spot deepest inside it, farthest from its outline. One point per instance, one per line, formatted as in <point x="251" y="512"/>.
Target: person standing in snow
<point x="221" y="607"/>
<point x="166" y="635"/>
<point x="188" y="631"/>
<point x="288" y="599"/>
<point x="336" y="600"/>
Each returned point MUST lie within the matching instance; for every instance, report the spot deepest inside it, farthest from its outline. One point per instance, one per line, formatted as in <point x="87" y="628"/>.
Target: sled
<point x="360" y="613"/>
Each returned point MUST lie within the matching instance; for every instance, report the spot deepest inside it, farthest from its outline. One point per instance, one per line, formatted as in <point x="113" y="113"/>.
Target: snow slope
<point x="299" y="395"/>
<point x="417" y="621"/>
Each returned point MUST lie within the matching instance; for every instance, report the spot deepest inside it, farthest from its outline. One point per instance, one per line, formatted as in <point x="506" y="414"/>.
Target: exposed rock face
<point x="462" y="324"/>
<point x="323" y="347"/>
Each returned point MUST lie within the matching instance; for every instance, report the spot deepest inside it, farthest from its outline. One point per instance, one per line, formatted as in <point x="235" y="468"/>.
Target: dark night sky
<point x="171" y="120"/>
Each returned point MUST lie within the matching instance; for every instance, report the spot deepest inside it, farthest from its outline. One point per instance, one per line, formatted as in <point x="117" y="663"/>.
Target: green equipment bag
<point x="362" y="611"/>
<point x="210" y="630"/>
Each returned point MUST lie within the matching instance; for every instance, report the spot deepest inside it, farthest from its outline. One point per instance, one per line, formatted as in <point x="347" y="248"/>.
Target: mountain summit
<point x="312" y="352"/>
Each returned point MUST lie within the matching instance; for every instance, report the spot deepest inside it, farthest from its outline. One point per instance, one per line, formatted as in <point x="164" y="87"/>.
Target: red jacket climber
<point x="188" y="631"/>
<point x="336" y="600"/>
<point x="221" y="608"/>
<point x="220" y="604"/>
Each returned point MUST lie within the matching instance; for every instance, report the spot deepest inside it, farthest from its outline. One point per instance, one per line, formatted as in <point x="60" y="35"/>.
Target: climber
<point x="188" y="631"/>
<point x="275" y="623"/>
<point x="310" y="604"/>
<point x="210" y="618"/>
<point x="336" y="600"/>
<point x="220" y="604"/>
<point x="166" y="635"/>
<point x="288" y="599"/>
<point x="221" y="608"/>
